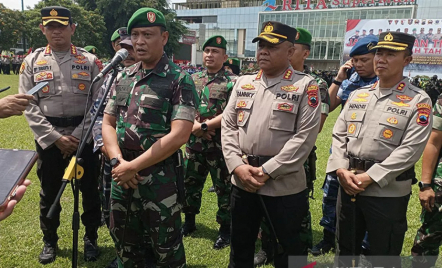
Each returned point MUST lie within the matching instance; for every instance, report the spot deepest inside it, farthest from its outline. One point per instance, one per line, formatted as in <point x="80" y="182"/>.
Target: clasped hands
<point x="353" y="183"/>
<point x="252" y="178"/>
<point x="125" y="174"/>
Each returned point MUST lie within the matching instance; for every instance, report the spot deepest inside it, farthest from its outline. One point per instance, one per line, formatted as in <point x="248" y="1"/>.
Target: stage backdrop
<point x="427" y="51"/>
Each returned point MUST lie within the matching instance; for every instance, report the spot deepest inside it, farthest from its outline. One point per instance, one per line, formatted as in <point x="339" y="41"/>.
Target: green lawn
<point x="20" y="235"/>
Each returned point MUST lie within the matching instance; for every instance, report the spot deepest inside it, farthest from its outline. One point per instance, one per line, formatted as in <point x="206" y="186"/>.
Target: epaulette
<point x="82" y="49"/>
<point x="40" y="49"/>
<point x="300" y="73"/>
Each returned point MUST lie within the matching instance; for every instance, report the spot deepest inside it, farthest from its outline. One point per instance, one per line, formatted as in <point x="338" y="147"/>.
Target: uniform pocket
<point x="354" y="122"/>
<point x="283" y="116"/>
<point x="80" y="86"/>
<point x="243" y="111"/>
<point x="152" y="112"/>
<point x="387" y="134"/>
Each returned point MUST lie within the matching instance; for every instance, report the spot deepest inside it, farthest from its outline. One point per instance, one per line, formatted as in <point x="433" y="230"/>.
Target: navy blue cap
<point x="364" y="46"/>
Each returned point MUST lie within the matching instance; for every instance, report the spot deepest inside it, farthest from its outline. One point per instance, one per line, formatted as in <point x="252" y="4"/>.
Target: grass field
<point x="20" y="235"/>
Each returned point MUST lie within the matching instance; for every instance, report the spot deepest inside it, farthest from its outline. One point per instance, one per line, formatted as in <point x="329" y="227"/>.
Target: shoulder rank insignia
<point x="289" y="88"/>
<point x="259" y="75"/>
<point x="363" y="95"/>
<point x="400" y="104"/>
<point x="392" y="120"/>
<point x="22" y="67"/>
<point x="285" y="107"/>
<point x="404" y="97"/>
<point x="374" y="85"/>
<point x="401" y="86"/>
<point x="248" y="87"/>
<point x="288" y="74"/>
<point x="99" y="64"/>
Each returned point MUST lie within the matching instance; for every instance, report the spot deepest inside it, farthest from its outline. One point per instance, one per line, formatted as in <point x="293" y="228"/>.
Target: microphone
<point x="119" y="57"/>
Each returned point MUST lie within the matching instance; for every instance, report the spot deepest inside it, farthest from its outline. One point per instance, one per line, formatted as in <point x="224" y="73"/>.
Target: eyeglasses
<point x="122" y="32"/>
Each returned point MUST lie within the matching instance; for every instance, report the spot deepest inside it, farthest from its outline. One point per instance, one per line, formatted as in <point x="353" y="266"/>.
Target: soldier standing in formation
<point x="269" y="128"/>
<point x="378" y="137"/>
<point x="149" y="117"/>
<point x="56" y="117"/>
<point x="203" y="151"/>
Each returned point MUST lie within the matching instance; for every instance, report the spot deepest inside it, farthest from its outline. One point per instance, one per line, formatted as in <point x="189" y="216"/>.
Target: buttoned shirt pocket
<point x="152" y="112"/>
<point x="243" y="111"/>
<point x="122" y="92"/>
<point x="391" y="128"/>
<point x="80" y="86"/>
<point x="46" y="76"/>
<point x="283" y="116"/>
<point x="354" y="119"/>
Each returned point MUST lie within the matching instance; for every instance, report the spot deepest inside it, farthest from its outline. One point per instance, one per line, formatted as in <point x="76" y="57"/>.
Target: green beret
<point x="115" y="35"/>
<point x="146" y="17"/>
<point x="232" y="61"/>
<point x="91" y="49"/>
<point x="215" y="41"/>
<point x="304" y="37"/>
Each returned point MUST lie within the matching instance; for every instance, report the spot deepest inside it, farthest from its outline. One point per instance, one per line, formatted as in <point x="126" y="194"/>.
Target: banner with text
<point x="427" y="50"/>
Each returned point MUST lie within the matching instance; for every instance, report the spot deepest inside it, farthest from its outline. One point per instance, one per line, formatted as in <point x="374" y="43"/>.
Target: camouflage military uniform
<point x="429" y="236"/>
<point x="203" y="156"/>
<point x="145" y="102"/>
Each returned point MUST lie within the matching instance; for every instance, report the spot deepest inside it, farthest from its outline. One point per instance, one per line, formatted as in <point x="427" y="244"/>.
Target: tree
<point x="90" y="25"/>
<point x="10" y="30"/>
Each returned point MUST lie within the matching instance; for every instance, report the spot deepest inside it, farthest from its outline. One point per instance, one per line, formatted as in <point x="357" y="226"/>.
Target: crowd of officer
<point x="254" y="134"/>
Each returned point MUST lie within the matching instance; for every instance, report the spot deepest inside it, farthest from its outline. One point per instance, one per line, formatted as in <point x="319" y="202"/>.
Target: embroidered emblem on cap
<point x="387" y="134"/>
<point x="268" y="28"/>
<point x="53" y="13"/>
<point x="392" y="120"/>
<point x="285" y="107"/>
<point x="218" y="40"/>
<point x="151" y="17"/>
<point x="241" y="116"/>
<point x="230" y="61"/>
<point x="248" y="87"/>
<point x="389" y="37"/>
<point x="400" y="104"/>
<point x="297" y="36"/>
<point x="351" y="128"/>
<point x="289" y="88"/>
<point x="370" y="46"/>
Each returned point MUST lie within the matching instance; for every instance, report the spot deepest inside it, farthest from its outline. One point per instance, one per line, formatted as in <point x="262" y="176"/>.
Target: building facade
<point x="239" y="21"/>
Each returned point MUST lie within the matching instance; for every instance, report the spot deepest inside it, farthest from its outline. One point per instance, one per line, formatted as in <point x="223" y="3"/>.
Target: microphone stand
<point x="75" y="171"/>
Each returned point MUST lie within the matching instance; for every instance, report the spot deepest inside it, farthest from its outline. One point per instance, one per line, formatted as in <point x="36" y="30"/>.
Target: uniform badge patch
<point x="98" y="62"/>
<point x="285" y="107"/>
<point x="288" y="74"/>
<point x="423" y="114"/>
<point x="404" y="97"/>
<point x="387" y="134"/>
<point x="241" y="116"/>
<point x="45" y="89"/>
<point x="80" y="61"/>
<point x="218" y="40"/>
<point x="392" y="120"/>
<point x="41" y="62"/>
<point x="400" y="104"/>
<point x="22" y="67"/>
<point x="289" y="88"/>
<point x="80" y="57"/>
<point x="353" y="116"/>
<point x="363" y="95"/>
<point x="151" y="17"/>
<point x="80" y="75"/>
<point x="351" y="128"/>
<point x="248" y="87"/>
<point x="81" y="86"/>
<point x="43" y="76"/>
<point x="241" y="104"/>
<point x="401" y="86"/>
<point x="313" y="98"/>
<point x="360" y="100"/>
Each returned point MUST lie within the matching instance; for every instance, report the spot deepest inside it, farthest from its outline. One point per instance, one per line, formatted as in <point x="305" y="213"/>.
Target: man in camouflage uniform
<point x="302" y="51"/>
<point x="56" y="117"/>
<point x="203" y="150"/>
<point x="149" y="117"/>
<point x="429" y="236"/>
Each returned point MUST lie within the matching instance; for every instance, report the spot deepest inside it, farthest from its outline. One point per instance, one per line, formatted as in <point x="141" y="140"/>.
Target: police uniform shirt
<point x="66" y="94"/>
<point x="279" y="117"/>
<point x="390" y="126"/>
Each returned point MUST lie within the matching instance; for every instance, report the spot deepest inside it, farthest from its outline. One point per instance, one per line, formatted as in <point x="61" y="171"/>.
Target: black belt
<point x="257" y="161"/>
<point x="65" y="121"/>
<point x="364" y="165"/>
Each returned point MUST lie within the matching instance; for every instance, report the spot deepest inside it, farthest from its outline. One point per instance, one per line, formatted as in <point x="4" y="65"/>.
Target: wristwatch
<point x="336" y="82"/>
<point x="114" y="161"/>
<point x="423" y="185"/>
<point x="204" y="126"/>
